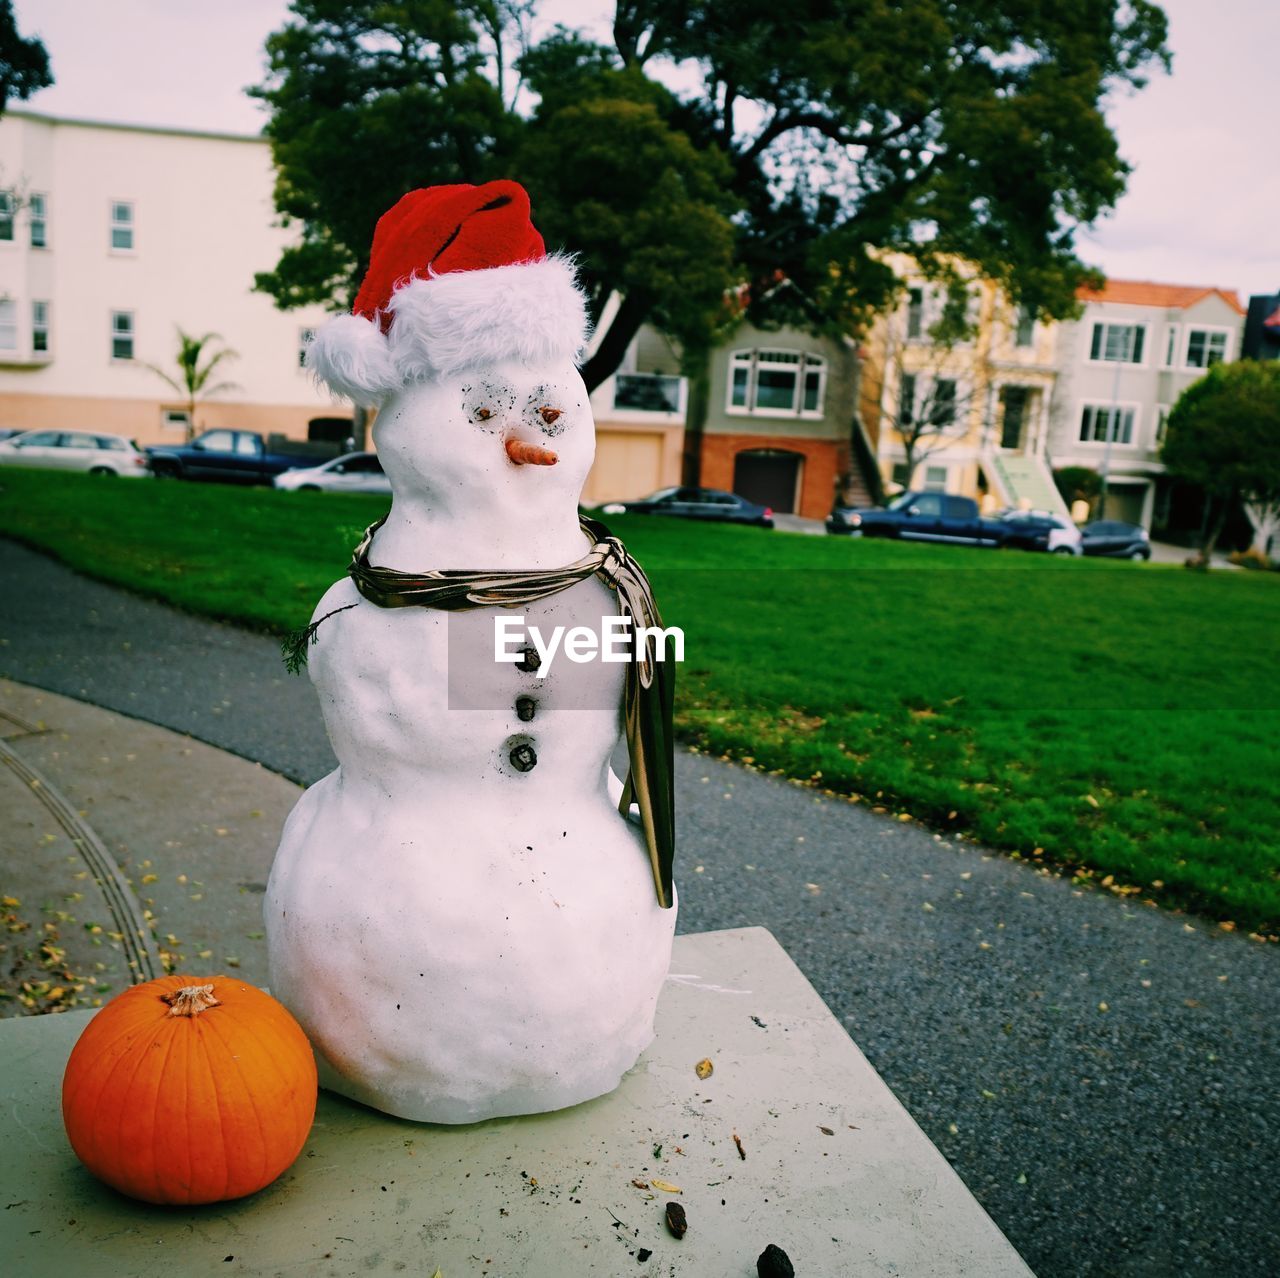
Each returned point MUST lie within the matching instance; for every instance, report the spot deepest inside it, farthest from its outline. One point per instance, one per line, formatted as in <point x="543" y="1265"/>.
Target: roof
<point x="41" y="117"/>
<point x="1169" y="296"/>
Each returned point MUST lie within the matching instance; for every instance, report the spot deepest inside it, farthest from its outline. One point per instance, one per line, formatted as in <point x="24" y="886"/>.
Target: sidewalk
<point x="191" y="829"/>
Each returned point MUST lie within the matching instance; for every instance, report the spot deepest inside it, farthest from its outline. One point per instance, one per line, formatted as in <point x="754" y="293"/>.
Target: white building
<point x="118" y="236"/>
<point x="1122" y="366"/>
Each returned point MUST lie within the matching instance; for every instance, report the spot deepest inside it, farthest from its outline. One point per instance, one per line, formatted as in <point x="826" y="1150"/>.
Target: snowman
<point x="472" y="915"/>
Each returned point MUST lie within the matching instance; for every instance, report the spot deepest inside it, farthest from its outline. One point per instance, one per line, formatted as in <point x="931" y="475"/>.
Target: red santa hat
<point x="458" y="277"/>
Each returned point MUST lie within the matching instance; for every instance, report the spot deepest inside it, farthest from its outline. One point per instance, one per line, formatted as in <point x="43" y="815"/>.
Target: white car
<point x="75" y="450"/>
<point x="350" y="473"/>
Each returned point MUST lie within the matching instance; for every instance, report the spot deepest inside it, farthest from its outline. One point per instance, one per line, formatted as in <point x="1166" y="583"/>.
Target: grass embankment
<point x="1115" y="719"/>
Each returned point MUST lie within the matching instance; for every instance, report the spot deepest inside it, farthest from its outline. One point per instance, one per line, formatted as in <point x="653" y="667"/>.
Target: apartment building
<point x="1121" y="367"/>
<point x="111" y="238"/>
<point x="973" y="409"/>
<point x="781" y="404"/>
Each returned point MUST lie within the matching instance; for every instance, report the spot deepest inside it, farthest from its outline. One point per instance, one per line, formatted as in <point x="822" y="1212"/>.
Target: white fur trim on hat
<point x="533" y="313"/>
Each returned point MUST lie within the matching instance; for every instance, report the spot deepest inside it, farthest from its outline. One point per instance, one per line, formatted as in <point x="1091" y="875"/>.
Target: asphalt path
<point x="1103" y="1076"/>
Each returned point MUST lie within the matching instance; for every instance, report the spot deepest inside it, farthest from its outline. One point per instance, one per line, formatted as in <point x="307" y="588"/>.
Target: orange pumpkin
<point x="190" y="1090"/>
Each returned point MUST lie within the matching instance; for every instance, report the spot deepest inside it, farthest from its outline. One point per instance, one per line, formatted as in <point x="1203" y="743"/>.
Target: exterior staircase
<point x="1024" y="480"/>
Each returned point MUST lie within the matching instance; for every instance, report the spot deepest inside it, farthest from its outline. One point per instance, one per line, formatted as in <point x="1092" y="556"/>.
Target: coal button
<point x="529" y="660"/>
<point x="523" y="758"/>
<point x="524" y="708"/>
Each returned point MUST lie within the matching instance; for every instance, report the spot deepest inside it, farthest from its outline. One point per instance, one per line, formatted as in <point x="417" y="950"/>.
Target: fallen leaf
<point x="742" y="1153"/>
<point x="703" y="1068"/>
<point x="640" y="1184"/>
<point x="666" y="1187"/>
<point x="826" y="1131"/>
<point x="677" y="1222"/>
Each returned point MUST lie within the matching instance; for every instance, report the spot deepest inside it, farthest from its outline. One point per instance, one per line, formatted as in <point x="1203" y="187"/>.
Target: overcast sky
<point x="1202" y="206"/>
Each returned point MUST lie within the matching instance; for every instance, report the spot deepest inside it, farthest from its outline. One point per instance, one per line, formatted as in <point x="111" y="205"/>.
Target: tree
<point x="1223" y="434"/>
<point x="196" y="362"/>
<point x="821" y="130"/>
<point x="24" y="62"/>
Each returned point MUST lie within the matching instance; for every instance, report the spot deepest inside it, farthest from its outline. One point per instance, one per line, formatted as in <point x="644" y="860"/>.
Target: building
<point x="780" y="408"/>
<point x="972" y="411"/>
<point x="1121" y="367"/>
<point x="640" y="415"/>
<point x="112" y="237"/>
<point x="1262" y="327"/>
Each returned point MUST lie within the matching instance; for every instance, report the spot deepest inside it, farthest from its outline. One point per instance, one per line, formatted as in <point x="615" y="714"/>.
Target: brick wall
<point x="824" y="461"/>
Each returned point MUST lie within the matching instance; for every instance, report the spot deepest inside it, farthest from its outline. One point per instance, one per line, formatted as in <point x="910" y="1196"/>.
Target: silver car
<point x="350" y="473"/>
<point x="75" y="450"/>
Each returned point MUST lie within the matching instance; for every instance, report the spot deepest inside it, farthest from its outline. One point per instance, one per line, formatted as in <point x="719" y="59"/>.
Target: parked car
<point x="350" y="473"/>
<point x="74" y="450"/>
<point x="695" y="503"/>
<point x="233" y="456"/>
<point x="1116" y="539"/>
<point x="913" y="516"/>
<point x="1041" y="530"/>
<point x="8" y="432"/>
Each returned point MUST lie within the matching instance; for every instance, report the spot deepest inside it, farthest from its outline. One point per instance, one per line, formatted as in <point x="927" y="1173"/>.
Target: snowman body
<point x="459" y="916"/>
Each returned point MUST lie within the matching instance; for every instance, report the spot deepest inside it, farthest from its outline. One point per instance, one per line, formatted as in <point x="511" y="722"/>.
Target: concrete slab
<point x="832" y="1169"/>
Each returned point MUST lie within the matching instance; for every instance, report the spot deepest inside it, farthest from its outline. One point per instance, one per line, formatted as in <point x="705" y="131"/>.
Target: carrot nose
<point x="525" y="454"/>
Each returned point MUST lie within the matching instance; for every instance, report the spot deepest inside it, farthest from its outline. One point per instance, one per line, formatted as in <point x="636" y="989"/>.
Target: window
<point x="942" y="412"/>
<point x="907" y="400"/>
<point x="39" y="326"/>
<point x="1117" y="343"/>
<point x="217" y="441"/>
<point x="1098" y="423"/>
<point x="6" y="215"/>
<point x="305" y="337"/>
<point x="777" y="383"/>
<point x="928" y="504"/>
<point x="121" y="226"/>
<point x="8" y="326"/>
<point x="1025" y="328"/>
<point x="37" y="212"/>
<point x="176" y="418"/>
<point x="935" y="479"/>
<point x="647" y="392"/>
<point x="121" y="334"/>
<point x="1170" y="347"/>
<point x="1205" y="347"/>
<point x="915" y="313"/>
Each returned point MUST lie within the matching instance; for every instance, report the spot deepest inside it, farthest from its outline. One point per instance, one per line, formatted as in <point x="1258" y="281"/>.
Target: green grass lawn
<point x="1114" y="719"/>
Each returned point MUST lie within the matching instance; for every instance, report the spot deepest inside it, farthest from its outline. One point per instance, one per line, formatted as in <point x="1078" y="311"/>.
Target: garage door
<point x="768" y="476"/>
<point x="626" y="465"/>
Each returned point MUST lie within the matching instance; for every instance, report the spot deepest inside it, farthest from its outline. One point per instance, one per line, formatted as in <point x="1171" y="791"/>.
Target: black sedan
<point x="695" y="503"/>
<point x="1116" y="539"/>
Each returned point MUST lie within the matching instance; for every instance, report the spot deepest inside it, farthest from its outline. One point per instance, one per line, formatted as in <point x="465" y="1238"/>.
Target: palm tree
<point x="196" y="362"/>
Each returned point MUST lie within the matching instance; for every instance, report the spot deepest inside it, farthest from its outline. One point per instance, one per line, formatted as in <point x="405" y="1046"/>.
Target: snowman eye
<point x="486" y="402"/>
<point x="543" y="411"/>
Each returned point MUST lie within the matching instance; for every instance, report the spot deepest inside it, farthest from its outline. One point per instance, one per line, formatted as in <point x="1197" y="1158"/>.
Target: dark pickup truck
<point x="234" y="456"/>
<point x="922" y="517"/>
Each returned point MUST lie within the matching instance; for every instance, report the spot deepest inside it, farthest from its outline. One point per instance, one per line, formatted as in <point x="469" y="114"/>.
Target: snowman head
<point x="459" y="281"/>
<point x="508" y="439"/>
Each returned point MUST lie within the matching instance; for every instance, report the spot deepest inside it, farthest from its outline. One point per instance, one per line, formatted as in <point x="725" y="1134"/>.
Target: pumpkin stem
<point x="191" y="1000"/>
